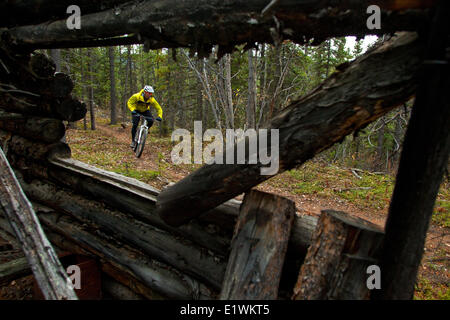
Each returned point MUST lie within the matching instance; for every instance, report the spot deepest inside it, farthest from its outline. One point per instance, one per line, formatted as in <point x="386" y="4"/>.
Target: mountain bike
<point x="141" y="136"/>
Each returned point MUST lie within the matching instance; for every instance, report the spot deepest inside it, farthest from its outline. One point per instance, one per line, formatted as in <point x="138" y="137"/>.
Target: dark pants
<point x="135" y="119"/>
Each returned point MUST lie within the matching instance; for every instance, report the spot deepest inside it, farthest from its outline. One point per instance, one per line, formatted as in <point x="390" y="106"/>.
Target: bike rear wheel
<point x="140" y="145"/>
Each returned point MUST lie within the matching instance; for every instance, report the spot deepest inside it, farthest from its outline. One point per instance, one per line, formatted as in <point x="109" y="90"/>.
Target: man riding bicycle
<point x="139" y="104"/>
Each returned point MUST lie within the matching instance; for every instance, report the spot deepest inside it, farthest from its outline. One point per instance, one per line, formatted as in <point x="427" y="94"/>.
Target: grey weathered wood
<point x="120" y="273"/>
<point x="348" y="100"/>
<point x="35" y="128"/>
<point x="137" y="198"/>
<point x="152" y="273"/>
<point x="336" y="264"/>
<point x="47" y="269"/>
<point x="13" y="270"/>
<point x="258" y="248"/>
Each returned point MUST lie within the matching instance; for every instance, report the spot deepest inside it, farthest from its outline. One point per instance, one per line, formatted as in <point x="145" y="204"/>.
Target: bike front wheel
<point x="141" y="143"/>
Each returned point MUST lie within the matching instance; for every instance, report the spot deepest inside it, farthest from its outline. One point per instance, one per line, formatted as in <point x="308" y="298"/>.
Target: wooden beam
<point x="212" y="230"/>
<point x="200" y="24"/>
<point x="153" y="274"/>
<point x="258" y="247"/>
<point x="35" y="128"/>
<point x="47" y="270"/>
<point x="13" y="270"/>
<point x="182" y="254"/>
<point x="32" y="149"/>
<point x="423" y="162"/>
<point x="347" y="101"/>
<point x="336" y="264"/>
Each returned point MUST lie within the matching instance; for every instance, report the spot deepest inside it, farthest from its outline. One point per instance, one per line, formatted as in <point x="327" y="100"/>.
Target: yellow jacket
<point x="137" y="102"/>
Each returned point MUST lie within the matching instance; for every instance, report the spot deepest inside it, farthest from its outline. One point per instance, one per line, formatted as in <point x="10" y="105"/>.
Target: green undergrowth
<point x="364" y="189"/>
<point x="361" y="188"/>
<point x="142" y="175"/>
<point x="426" y="290"/>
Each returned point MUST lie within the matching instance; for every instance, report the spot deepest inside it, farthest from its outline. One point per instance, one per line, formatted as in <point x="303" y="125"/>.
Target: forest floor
<point x="313" y="187"/>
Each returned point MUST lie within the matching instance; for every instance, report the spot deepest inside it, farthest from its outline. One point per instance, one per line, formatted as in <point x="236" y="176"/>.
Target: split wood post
<point x="336" y="264"/>
<point x="48" y="271"/>
<point x="258" y="247"/>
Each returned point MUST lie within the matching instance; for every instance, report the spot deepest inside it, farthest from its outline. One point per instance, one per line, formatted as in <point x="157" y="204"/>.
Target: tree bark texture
<point x="336" y="263"/>
<point x="35" y="128"/>
<point x="258" y="247"/>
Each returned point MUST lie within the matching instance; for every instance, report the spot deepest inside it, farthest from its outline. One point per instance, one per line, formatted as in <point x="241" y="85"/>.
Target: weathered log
<point x="69" y="109"/>
<point x="117" y="290"/>
<point x="42" y="66"/>
<point x="38" y="251"/>
<point x="119" y="273"/>
<point x="347" y="101"/>
<point x="336" y="264"/>
<point x="32" y="149"/>
<point x="35" y="128"/>
<point x="154" y="274"/>
<point x="177" y="252"/>
<point x="258" y="247"/>
<point x="129" y="280"/>
<point x="8" y="236"/>
<point x="213" y="230"/>
<point x="200" y="24"/>
<point x="130" y="196"/>
<point x="13" y="270"/>
<point x="423" y="161"/>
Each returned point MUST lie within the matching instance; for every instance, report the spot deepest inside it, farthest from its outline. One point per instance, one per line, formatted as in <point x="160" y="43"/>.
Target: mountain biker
<point x="139" y="104"/>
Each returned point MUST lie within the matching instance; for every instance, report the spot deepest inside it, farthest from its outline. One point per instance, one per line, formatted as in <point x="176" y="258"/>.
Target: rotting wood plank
<point x="258" y="247"/>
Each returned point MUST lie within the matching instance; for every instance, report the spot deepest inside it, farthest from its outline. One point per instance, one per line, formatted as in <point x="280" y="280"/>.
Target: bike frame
<point x="141" y="129"/>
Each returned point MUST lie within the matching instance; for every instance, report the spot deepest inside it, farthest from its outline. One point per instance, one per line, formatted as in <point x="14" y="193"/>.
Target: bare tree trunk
<point x="251" y="104"/>
<point x="199" y="116"/>
<point x="56" y="56"/>
<point x="130" y="72"/>
<point x="228" y="90"/>
<point x="83" y="84"/>
<point x="91" y="88"/>
<point x="125" y="93"/>
<point x="328" y="44"/>
<point x="112" y="78"/>
<point x="380" y="145"/>
<point x="202" y="75"/>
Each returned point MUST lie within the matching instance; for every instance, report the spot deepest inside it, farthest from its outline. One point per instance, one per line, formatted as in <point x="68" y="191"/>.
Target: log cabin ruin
<point x="192" y="240"/>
